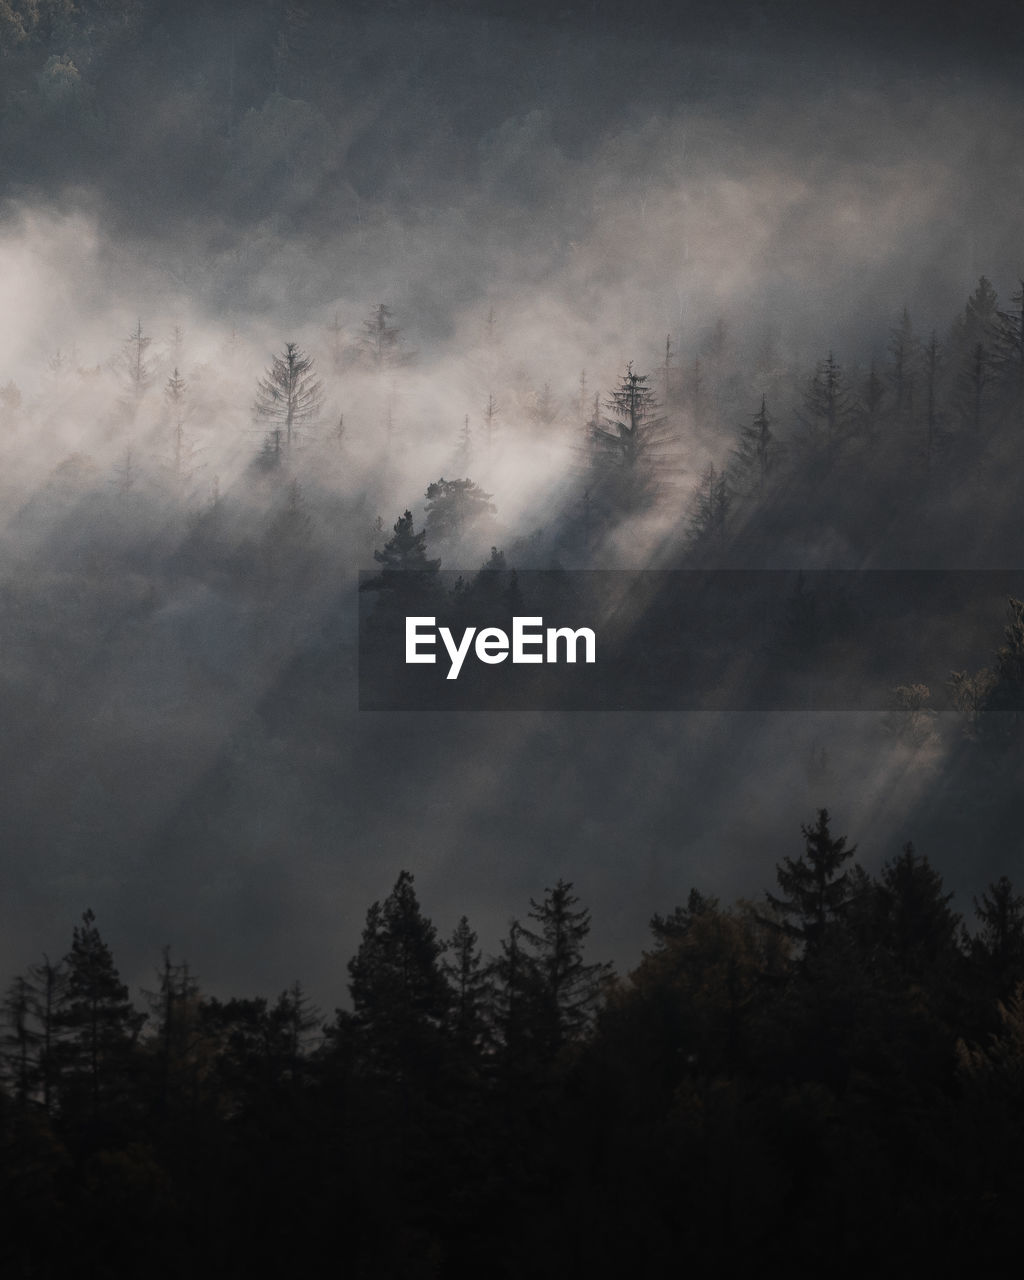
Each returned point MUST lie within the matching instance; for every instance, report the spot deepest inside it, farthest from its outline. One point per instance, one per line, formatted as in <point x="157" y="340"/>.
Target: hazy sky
<point x="531" y="198"/>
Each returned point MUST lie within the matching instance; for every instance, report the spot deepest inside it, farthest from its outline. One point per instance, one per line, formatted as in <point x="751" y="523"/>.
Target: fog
<point x="531" y="200"/>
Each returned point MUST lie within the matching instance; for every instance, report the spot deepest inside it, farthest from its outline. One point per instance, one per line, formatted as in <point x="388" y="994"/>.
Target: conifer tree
<point x="827" y="406"/>
<point x="999" y="943"/>
<point x="176" y="1033"/>
<point x="569" y="989"/>
<point x="816" y="891"/>
<point x="19" y="1040"/>
<point x="453" y="506"/>
<point x="973" y="384"/>
<point x="405" y="567"/>
<point x="183" y="450"/>
<point x="904" y="353"/>
<point x="933" y="415"/>
<point x="754" y="458"/>
<point x="978" y="322"/>
<point x="406" y="549"/>
<point x="31" y="1033"/>
<point x="515" y="984"/>
<point x="1009" y="350"/>
<point x="288" y="396"/>
<point x="99" y="1025"/>
<point x="632" y="443"/>
<point x="379" y="346"/>
<point x="470" y="986"/>
<point x="710" y="507"/>
<point x="135" y="367"/>
<point x="400" y="996"/>
<point x="920" y="930"/>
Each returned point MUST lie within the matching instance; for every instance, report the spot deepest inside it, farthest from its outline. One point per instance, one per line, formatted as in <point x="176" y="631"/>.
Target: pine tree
<point x="454" y="506"/>
<point x="999" y="943"/>
<point x="288" y="396"/>
<point x="632" y="443"/>
<point x="31" y="1033"/>
<point x="464" y="447"/>
<point x="293" y="1032"/>
<point x="712" y="500"/>
<point x="973" y="342"/>
<point x="491" y="411"/>
<point x="516" y="987"/>
<point x="973" y="383"/>
<point x="183" y="451"/>
<point x="176" y="1034"/>
<point x="569" y="989"/>
<point x="99" y="1024"/>
<point x="19" y="1040"/>
<point x="754" y="459"/>
<point x="816" y="891"/>
<point x="979" y="320"/>
<point x="679" y="923"/>
<point x="827" y="406"/>
<point x="934" y="418"/>
<point x="905" y="354"/>
<point x="1009" y="350"/>
<point x="920" y="930"/>
<point x="470" y="986"/>
<point x="135" y="366"/>
<point x="379" y="345"/>
<point x="871" y="399"/>
<point x="403" y="560"/>
<point x="400" y="996"/>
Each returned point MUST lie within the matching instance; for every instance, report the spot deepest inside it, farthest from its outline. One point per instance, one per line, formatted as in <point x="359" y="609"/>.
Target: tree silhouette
<point x="99" y="1025"/>
<point x="134" y="364"/>
<point x="453" y="506"/>
<point x="288" y="396"/>
<point x="710" y="506"/>
<point x="631" y="445"/>
<point x="400" y="996"/>
<point x="827" y="407"/>
<point x="380" y="342"/>
<point x="920" y="930"/>
<point x="999" y="944"/>
<point x="470" y="985"/>
<point x="568" y="988"/>
<point x="755" y="456"/>
<point x="816" y="891"/>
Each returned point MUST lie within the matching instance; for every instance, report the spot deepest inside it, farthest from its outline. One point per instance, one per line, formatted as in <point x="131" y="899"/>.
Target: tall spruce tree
<point x="100" y="1026"/>
<point x="815" y="889"/>
<point x="400" y="996"/>
<point x="632" y="444"/>
<point x="569" y="989"/>
<point x="470" y="986"/>
<point x="454" y="506"/>
<point x="405" y="567"/>
<point x="999" y="943"/>
<point x="920" y="930"/>
<point x="288" y="396"/>
<point x="755" y="455"/>
<point x="828" y="407"/>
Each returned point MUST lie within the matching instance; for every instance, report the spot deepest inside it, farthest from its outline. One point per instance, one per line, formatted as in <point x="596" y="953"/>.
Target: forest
<point x="313" y="312"/>
<point x="826" y="1075"/>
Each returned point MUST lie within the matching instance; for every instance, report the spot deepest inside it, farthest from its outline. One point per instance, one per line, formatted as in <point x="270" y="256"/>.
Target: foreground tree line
<point x="832" y="1073"/>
